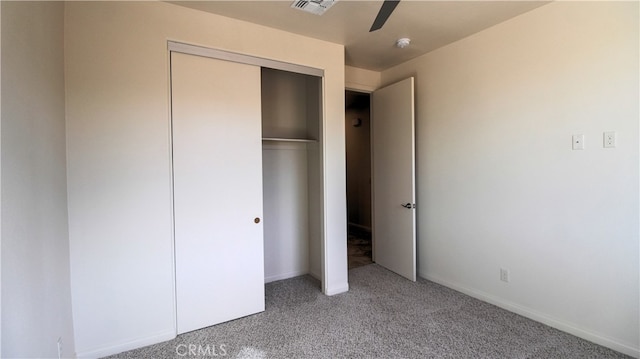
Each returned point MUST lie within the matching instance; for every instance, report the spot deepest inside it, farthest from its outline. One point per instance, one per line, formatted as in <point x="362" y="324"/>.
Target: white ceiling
<point x="429" y="24"/>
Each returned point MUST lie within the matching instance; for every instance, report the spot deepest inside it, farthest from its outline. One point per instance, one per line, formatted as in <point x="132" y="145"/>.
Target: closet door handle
<point x="256" y="220"/>
<point x="409" y="205"/>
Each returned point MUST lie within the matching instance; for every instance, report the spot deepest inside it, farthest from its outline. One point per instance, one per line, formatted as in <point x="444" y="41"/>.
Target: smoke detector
<point x="403" y="42"/>
<point x="317" y="7"/>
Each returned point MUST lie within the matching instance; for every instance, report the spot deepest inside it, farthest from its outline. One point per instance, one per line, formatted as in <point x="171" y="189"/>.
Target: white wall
<point x="119" y="173"/>
<point x="499" y="186"/>
<point x="286" y="215"/>
<point x="36" y="296"/>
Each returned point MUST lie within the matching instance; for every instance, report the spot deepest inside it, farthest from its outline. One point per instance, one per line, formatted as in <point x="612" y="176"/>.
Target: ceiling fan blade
<point x="385" y="11"/>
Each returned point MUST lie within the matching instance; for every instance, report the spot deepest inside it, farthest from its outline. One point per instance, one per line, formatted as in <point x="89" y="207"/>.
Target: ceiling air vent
<point x="317" y="7"/>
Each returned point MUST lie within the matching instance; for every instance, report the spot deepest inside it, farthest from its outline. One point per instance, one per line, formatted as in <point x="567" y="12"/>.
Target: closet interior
<point x="292" y="168"/>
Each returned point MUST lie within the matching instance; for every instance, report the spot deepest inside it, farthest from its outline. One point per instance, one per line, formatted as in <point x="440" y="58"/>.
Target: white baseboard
<point x="337" y="289"/>
<point x="539" y="317"/>
<point x="281" y="276"/>
<point x="128" y="345"/>
<point x="315" y="275"/>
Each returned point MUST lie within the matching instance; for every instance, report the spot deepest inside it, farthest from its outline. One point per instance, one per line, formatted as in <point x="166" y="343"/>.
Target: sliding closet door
<point x="217" y="168"/>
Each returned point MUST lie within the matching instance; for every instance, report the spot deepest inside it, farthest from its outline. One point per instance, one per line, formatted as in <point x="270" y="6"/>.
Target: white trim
<point x="316" y="276"/>
<point x="356" y="87"/>
<point x="538" y="317"/>
<point x="284" y="146"/>
<point x="174" y="306"/>
<point x="291" y="275"/>
<point x="1" y="181"/>
<point x="337" y="290"/>
<point x="324" y="270"/>
<point x="276" y="277"/>
<point x="242" y="58"/>
<point x="279" y="139"/>
<point x="126" y="346"/>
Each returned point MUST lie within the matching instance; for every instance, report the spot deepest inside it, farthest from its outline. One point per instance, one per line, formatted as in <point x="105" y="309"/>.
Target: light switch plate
<point x="578" y="142"/>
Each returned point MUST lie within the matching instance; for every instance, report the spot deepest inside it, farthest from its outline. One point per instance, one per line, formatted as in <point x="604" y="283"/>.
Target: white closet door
<point x="217" y="166"/>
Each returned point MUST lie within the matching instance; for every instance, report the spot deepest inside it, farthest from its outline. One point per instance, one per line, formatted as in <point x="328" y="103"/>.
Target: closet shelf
<point x="277" y="139"/>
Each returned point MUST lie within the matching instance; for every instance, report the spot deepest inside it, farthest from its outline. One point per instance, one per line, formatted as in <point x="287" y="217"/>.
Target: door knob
<point x="256" y="220"/>
<point x="409" y="205"/>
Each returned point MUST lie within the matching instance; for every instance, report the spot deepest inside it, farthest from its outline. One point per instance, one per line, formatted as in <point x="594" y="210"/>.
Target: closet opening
<point x="292" y="174"/>
<point x="358" y="162"/>
<point x="247" y="166"/>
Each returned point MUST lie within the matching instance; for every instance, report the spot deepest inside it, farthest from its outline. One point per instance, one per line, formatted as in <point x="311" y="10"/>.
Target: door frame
<point x="368" y="91"/>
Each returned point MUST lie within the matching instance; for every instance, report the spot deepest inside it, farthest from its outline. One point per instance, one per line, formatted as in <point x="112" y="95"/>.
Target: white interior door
<point x="217" y="166"/>
<point x="393" y="157"/>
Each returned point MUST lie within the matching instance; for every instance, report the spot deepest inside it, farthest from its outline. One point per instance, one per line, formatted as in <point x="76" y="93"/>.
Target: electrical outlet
<point x="504" y="275"/>
<point x="60" y="348"/>
<point x="609" y="139"/>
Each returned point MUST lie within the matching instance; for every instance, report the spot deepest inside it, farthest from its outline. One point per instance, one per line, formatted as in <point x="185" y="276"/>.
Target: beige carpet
<point x="382" y="316"/>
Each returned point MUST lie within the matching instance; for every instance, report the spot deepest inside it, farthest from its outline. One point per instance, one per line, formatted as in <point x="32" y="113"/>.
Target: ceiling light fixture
<point x="403" y="42"/>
